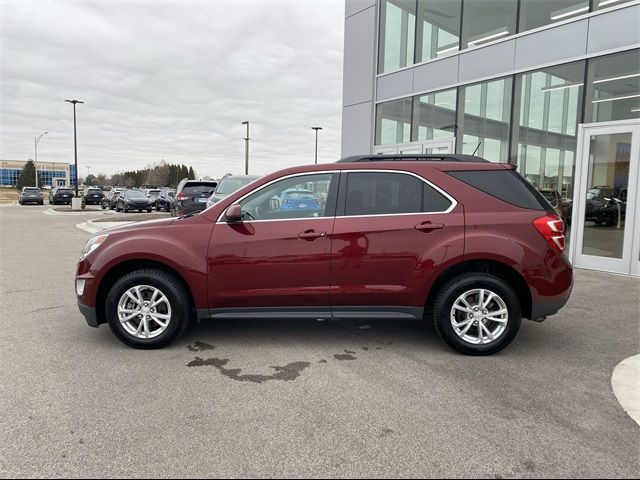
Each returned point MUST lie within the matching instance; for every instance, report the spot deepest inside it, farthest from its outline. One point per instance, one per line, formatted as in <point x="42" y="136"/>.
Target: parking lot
<point x="295" y="398"/>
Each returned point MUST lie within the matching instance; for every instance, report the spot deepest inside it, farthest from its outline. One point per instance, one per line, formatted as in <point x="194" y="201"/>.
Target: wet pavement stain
<point x="287" y="373"/>
<point x="347" y="356"/>
<point x="323" y="361"/>
<point x="200" y="347"/>
<point x="365" y="348"/>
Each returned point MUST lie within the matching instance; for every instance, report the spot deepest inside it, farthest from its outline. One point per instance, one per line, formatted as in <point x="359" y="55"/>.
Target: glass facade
<point x="488" y="20"/>
<point x="613" y="88"/>
<point x="393" y="122"/>
<point x="530" y="119"/>
<point x="414" y="31"/>
<point x="438" y="28"/>
<point x="547" y="110"/>
<point x="9" y="174"/>
<point x="483" y="119"/>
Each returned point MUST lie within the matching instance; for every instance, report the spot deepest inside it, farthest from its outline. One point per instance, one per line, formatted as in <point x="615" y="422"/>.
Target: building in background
<point x="51" y="173"/>
<point x="552" y="86"/>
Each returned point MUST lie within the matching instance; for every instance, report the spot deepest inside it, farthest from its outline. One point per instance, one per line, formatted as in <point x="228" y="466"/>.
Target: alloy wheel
<point x="479" y="316"/>
<point x="144" y="311"/>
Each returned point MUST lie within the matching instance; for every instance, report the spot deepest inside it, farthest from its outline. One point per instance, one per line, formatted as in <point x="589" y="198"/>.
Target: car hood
<point x="137" y="226"/>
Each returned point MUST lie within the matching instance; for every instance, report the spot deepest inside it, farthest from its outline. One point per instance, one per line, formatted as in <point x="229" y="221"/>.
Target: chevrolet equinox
<point x="454" y="239"/>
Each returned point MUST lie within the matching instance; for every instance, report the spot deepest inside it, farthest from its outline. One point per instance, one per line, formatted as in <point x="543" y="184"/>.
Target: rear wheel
<point x="148" y="308"/>
<point x="477" y="313"/>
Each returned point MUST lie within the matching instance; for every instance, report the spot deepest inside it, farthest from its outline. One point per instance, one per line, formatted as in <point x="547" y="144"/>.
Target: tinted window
<point x="272" y="202"/>
<point x="199" y="188"/>
<point x="31" y="189"/>
<point x="374" y="193"/>
<point x="505" y="185"/>
<point x="93" y="191"/>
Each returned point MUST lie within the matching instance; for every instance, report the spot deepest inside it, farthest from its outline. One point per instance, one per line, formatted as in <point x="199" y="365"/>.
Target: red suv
<point x="455" y="239"/>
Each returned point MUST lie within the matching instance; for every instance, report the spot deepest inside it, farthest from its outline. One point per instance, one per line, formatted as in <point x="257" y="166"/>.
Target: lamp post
<point x="88" y="171"/>
<point x="316" y="129"/>
<point x="36" y="140"/>
<point x="246" y="149"/>
<point x="75" y="141"/>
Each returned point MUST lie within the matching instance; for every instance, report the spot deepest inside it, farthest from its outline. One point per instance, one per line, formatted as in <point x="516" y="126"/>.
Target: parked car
<point x="109" y="201"/>
<point x="603" y="204"/>
<point x="30" y="195"/>
<point x="60" y="194"/>
<point x="133" y="200"/>
<point x="229" y="184"/>
<point x="164" y="200"/>
<point x="299" y="199"/>
<point x="152" y="194"/>
<point x="191" y="196"/>
<point x="464" y="243"/>
<point x="92" y="196"/>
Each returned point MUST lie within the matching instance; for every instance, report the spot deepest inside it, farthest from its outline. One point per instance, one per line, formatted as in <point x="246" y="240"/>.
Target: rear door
<point x="393" y="232"/>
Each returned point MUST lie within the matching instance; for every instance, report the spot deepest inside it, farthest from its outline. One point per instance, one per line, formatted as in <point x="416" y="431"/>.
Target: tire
<point x="125" y="209"/>
<point x="463" y="284"/>
<point x="104" y="207"/>
<point x="598" y="222"/>
<point x="149" y="210"/>
<point x="176" y="297"/>
<point x="117" y="209"/>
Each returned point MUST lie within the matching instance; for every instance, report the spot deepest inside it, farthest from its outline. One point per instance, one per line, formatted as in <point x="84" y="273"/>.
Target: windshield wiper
<point x="188" y="215"/>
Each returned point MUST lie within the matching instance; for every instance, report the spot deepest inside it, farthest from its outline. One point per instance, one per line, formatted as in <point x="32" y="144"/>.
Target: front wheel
<point x="148" y="308"/>
<point x="477" y="313"/>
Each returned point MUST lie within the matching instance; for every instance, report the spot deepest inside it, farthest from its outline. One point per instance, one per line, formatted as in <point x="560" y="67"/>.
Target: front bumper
<point x="89" y="314"/>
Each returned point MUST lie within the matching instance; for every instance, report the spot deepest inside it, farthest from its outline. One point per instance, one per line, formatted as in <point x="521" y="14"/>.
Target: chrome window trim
<point x="302" y="174"/>
<point x="454" y="202"/>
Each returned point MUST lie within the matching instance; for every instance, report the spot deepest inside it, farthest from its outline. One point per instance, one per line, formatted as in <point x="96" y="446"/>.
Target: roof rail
<point x="412" y="157"/>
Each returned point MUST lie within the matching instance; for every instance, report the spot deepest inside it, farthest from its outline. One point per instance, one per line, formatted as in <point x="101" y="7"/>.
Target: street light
<point x="75" y="141"/>
<point x="246" y="149"/>
<point x="35" y="153"/>
<point x="316" y="129"/>
<point x="88" y="170"/>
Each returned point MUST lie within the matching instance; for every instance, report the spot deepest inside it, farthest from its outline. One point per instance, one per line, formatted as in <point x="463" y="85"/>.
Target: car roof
<point x="391" y="157"/>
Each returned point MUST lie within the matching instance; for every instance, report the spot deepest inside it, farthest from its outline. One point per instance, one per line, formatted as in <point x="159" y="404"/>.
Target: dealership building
<point x="51" y="173"/>
<point x="552" y="86"/>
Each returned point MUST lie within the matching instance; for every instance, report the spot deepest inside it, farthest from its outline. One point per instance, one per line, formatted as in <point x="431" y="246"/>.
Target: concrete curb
<point x="625" y="382"/>
<point x="92" y="227"/>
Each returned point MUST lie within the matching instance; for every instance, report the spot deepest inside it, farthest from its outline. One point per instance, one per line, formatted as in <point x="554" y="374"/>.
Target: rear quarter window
<point x="505" y="185"/>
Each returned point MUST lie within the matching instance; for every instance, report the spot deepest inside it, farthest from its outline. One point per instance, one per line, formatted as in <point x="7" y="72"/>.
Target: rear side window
<point x="380" y="193"/>
<point x="505" y="185"/>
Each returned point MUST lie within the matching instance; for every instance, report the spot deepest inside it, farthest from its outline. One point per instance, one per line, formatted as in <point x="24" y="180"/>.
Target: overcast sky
<point x="172" y="81"/>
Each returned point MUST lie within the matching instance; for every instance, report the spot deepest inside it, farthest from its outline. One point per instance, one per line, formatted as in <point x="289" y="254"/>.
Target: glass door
<point x="604" y="214"/>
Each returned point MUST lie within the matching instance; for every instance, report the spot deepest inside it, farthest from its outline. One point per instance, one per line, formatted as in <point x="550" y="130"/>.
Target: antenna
<point x="476" y="150"/>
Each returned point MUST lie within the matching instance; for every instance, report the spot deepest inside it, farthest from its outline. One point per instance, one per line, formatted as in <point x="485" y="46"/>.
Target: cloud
<point x="172" y="81"/>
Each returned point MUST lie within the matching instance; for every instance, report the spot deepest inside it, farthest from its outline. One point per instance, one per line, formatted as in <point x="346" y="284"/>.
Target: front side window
<point x="303" y="196"/>
<point x="383" y="193"/>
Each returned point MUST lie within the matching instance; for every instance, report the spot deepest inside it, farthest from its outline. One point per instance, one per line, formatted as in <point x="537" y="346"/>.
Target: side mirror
<point x="233" y="214"/>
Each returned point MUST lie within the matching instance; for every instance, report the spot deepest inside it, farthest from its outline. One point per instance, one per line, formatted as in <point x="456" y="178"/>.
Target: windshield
<point x="135" y="195"/>
<point x="231" y="184"/>
<point x="31" y="190"/>
<point x="64" y="189"/>
<point x="93" y="191"/>
<point x="154" y="193"/>
<point x="551" y="196"/>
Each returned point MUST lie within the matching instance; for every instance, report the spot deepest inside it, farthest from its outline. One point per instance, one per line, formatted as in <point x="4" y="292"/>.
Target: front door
<point x="605" y="224"/>
<point x="277" y="259"/>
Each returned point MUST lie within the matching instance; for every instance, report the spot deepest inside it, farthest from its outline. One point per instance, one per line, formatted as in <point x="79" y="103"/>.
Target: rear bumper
<point x="89" y="314"/>
<point x="546" y="309"/>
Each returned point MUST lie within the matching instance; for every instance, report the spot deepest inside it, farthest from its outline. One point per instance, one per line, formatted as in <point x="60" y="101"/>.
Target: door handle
<point x="429" y="226"/>
<point x="311" y="235"/>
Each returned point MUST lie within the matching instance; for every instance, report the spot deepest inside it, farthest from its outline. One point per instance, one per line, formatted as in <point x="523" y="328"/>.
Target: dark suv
<point x="454" y="239"/>
<point x="60" y="194"/>
<point x="92" y="196"/>
<point x="191" y="196"/>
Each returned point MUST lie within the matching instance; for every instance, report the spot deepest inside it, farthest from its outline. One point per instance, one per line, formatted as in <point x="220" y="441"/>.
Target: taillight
<point x="552" y="229"/>
<point x="182" y="196"/>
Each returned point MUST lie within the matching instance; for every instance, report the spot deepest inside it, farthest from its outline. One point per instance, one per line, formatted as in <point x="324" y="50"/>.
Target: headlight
<point x="93" y="243"/>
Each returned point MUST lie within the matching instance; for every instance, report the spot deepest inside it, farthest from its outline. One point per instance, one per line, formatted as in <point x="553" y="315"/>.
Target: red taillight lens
<point x="552" y="229"/>
<point x="181" y="196"/>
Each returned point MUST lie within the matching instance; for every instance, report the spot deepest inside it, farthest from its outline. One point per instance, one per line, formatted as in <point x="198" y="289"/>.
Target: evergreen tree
<point x="27" y="177"/>
<point x="192" y="174"/>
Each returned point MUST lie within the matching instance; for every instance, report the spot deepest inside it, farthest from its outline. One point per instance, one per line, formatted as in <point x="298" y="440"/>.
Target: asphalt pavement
<point x="300" y="398"/>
